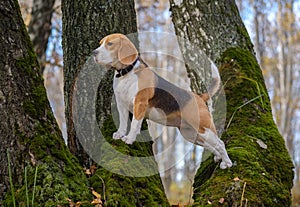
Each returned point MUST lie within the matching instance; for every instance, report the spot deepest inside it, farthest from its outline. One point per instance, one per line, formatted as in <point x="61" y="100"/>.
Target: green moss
<point x="35" y="104"/>
<point x="53" y="187"/>
<point x="35" y="99"/>
<point x="267" y="172"/>
<point x="60" y="177"/>
<point x="123" y="190"/>
<point x="28" y="68"/>
<point x="39" y="142"/>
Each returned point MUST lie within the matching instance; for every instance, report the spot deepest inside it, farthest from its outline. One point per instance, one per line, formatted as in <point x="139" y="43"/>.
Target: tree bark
<point x="81" y="35"/>
<point x="84" y="24"/>
<point x="29" y="136"/>
<point x="262" y="173"/>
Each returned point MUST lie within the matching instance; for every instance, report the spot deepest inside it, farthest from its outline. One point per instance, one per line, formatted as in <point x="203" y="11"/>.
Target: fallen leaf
<point x="87" y="172"/>
<point x="236" y="179"/>
<point x="93" y="169"/>
<point x="209" y="202"/>
<point x="96" y="201"/>
<point x="221" y="200"/>
<point x="97" y="195"/>
<point x="32" y="159"/>
<point x="78" y="204"/>
<point x="261" y="144"/>
<point x="72" y="204"/>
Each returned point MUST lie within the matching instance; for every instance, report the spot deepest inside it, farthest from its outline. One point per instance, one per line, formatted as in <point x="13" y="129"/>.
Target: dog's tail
<point x="215" y="80"/>
<point x="214" y="85"/>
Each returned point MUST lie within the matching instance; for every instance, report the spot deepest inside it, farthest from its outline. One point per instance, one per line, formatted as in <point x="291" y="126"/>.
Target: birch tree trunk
<point x="262" y="174"/>
<point x="39" y="28"/>
<point x="31" y="145"/>
<point x="84" y="24"/>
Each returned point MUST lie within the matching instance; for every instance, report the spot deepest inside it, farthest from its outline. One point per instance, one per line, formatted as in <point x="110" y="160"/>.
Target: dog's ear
<point x="127" y="53"/>
<point x="102" y="40"/>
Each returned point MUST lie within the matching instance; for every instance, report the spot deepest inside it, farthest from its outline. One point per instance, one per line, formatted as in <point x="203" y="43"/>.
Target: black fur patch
<point x="168" y="97"/>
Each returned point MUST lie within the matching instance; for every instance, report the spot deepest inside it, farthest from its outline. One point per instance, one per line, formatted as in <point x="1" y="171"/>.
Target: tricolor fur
<point x="142" y="92"/>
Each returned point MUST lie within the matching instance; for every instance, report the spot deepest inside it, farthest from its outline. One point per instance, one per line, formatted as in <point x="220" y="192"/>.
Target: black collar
<point x="126" y="70"/>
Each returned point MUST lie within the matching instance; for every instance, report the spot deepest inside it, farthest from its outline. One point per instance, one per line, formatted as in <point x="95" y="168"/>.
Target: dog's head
<point x="116" y="51"/>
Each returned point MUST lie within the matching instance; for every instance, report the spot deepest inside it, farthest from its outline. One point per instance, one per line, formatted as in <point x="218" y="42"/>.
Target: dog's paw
<point x="128" y="140"/>
<point x="217" y="158"/>
<point x="226" y="164"/>
<point x="118" y="135"/>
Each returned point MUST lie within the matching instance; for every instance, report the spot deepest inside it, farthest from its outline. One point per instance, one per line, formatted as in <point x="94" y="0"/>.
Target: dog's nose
<point x="95" y="52"/>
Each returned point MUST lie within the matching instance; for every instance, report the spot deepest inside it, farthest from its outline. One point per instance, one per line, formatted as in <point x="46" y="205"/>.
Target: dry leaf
<point x="261" y="144"/>
<point x="93" y="169"/>
<point x="71" y="203"/>
<point x="96" y="201"/>
<point x="236" y="179"/>
<point x="221" y="200"/>
<point x="78" y="204"/>
<point x="209" y="202"/>
<point x="32" y="159"/>
<point x="87" y="172"/>
<point x="97" y="195"/>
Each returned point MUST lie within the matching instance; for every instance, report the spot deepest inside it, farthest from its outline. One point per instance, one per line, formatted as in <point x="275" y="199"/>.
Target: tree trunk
<point x="30" y="139"/>
<point x="84" y="24"/>
<point x="262" y="174"/>
<point x="39" y="28"/>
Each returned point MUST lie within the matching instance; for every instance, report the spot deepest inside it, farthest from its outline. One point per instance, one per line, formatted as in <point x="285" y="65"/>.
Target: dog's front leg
<point x="135" y="129"/>
<point x="123" y="119"/>
<point x="140" y="104"/>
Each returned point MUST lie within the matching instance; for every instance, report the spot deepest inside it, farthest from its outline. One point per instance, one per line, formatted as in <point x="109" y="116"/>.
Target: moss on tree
<point x="262" y="174"/>
<point x="139" y="191"/>
<point x="32" y="137"/>
<point x="59" y="177"/>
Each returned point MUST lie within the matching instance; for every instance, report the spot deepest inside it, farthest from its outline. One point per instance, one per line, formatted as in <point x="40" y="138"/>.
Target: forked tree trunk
<point x="84" y="24"/>
<point x="262" y="174"/>
<point x="29" y="136"/>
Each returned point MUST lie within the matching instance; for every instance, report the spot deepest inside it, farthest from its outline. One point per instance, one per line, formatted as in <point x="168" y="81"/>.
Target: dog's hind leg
<point x="194" y="137"/>
<point x="211" y="141"/>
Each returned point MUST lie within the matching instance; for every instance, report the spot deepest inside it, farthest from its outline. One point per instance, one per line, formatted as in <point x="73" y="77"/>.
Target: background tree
<point x="43" y="21"/>
<point x="30" y="138"/>
<point x="84" y="24"/>
<point x="40" y="26"/>
<point x="262" y="174"/>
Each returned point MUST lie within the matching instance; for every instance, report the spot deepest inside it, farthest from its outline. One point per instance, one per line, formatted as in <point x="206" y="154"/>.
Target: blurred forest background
<point x="275" y="32"/>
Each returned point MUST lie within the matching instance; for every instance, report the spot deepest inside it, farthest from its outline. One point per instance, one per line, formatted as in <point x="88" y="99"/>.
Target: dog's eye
<point x="109" y="43"/>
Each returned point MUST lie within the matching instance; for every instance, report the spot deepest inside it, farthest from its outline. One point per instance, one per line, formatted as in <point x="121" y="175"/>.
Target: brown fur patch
<point x="121" y="48"/>
<point x="146" y="85"/>
<point x="195" y="113"/>
<point x="179" y="105"/>
<point x="141" y="102"/>
<point x="205" y="97"/>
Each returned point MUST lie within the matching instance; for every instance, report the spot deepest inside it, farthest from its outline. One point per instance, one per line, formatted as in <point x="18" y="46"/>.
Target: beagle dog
<point x="142" y="92"/>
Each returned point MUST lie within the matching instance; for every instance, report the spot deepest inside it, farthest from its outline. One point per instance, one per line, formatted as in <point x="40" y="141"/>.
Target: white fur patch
<point x="216" y="146"/>
<point x="103" y="55"/>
